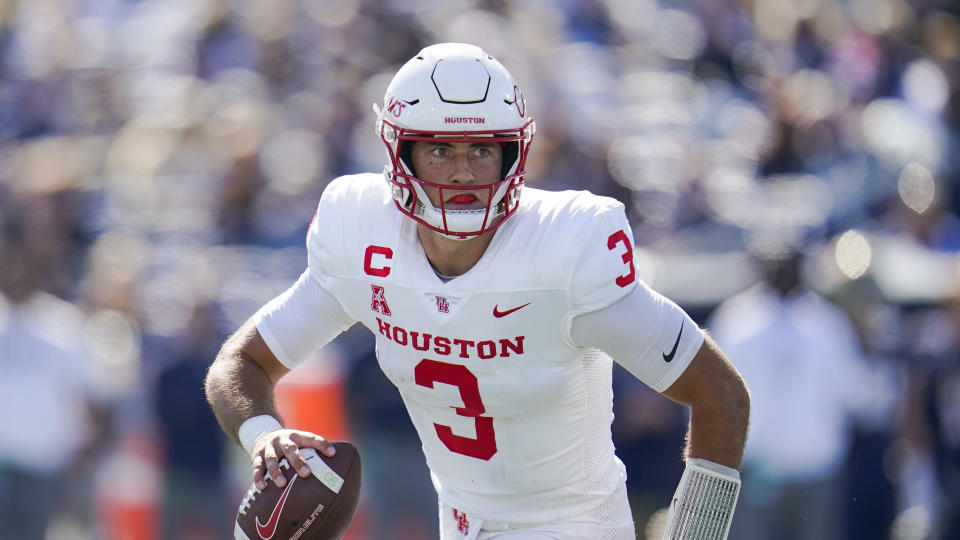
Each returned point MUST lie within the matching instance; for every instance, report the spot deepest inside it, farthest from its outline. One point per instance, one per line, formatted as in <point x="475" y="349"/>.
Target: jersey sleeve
<point x="603" y="271"/>
<point x="301" y="320"/>
<point x="326" y="235"/>
<point x="309" y="315"/>
<point x="645" y="332"/>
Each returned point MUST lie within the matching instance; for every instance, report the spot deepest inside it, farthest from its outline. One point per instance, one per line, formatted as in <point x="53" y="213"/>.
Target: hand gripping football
<point x="318" y="507"/>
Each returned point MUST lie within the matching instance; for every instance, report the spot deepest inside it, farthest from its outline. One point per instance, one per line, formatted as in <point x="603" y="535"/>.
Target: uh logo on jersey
<point x="378" y="301"/>
<point x="375" y="263"/>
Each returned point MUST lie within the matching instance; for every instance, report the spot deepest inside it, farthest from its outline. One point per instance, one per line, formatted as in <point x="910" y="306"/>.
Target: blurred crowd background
<point x="790" y="169"/>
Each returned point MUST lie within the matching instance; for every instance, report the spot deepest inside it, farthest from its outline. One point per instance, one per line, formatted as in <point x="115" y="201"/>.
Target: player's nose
<point x="462" y="172"/>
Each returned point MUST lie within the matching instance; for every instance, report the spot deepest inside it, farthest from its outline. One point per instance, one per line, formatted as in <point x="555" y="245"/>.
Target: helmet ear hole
<point x="511" y="150"/>
<point x="405" y="149"/>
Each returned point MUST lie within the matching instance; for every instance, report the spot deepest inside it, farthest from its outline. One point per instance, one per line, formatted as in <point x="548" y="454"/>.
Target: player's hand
<point x="271" y="448"/>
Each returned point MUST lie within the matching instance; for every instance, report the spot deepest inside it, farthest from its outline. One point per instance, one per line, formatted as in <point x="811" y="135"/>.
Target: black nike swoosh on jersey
<point x="669" y="356"/>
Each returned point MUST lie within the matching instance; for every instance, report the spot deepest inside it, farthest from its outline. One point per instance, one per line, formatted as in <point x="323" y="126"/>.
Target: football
<point x="318" y="507"/>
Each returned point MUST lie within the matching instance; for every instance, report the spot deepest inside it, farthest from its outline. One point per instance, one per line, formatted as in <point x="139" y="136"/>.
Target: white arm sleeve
<point x="301" y="320"/>
<point x="642" y="332"/>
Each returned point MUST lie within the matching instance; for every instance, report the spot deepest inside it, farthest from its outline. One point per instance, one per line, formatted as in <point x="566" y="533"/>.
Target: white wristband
<point x="252" y="428"/>
<point x="703" y="505"/>
<point x="715" y="467"/>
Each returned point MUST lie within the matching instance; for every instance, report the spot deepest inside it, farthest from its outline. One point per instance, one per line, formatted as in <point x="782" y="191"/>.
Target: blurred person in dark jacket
<point x="195" y="506"/>
<point x="941" y="409"/>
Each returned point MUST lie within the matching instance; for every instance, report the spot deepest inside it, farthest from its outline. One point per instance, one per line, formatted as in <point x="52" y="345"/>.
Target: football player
<point x="497" y="311"/>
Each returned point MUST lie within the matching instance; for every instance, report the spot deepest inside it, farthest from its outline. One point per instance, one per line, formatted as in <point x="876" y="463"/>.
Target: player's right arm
<point x="239" y="386"/>
<point x="240" y="382"/>
<point x="282" y="334"/>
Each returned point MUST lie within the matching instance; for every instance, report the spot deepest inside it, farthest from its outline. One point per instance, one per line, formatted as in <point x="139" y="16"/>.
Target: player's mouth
<point x="463" y="201"/>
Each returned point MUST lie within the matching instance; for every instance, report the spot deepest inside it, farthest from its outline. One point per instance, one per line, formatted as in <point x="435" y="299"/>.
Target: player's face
<point x="465" y="164"/>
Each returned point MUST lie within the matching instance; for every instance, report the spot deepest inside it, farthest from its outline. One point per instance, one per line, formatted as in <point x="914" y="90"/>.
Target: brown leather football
<point x="318" y="507"/>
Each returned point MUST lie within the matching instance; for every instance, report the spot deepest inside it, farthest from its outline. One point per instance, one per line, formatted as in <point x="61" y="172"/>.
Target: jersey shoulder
<point x="351" y="206"/>
<point x="565" y="219"/>
<point x="576" y="240"/>
<point x="566" y="209"/>
<point x="346" y="195"/>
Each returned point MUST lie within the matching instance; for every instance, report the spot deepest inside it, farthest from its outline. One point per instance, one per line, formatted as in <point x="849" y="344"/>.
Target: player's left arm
<point x="653" y="338"/>
<point x="706" y="496"/>
<point x="656" y="341"/>
<point x="719" y="406"/>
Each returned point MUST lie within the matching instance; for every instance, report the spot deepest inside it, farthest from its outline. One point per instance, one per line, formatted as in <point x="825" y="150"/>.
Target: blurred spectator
<point x="943" y="406"/>
<point x="871" y="502"/>
<point x="47" y="388"/>
<point x="802" y="361"/>
<point x="195" y="507"/>
<point x="928" y="457"/>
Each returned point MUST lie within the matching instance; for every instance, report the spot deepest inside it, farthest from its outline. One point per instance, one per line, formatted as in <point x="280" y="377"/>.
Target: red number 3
<point x="484" y="446"/>
<point x="617" y="238"/>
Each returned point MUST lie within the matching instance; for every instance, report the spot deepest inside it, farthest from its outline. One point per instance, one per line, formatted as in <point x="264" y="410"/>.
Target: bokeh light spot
<point x="853" y="254"/>
<point x="917" y="188"/>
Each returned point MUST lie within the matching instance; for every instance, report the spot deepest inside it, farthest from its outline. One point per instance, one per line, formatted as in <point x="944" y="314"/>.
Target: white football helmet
<point x="459" y="93"/>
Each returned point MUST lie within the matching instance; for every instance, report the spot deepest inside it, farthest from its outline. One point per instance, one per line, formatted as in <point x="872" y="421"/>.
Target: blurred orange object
<point x="123" y="521"/>
<point x="311" y="397"/>
<point x="127" y="491"/>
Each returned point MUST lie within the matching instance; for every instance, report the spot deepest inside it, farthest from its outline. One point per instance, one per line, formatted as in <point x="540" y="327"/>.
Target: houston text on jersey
<point x="444" y="346"/>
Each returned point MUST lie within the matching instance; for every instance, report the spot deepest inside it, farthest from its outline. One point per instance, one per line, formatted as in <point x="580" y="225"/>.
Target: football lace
<point x="252" y="493"/>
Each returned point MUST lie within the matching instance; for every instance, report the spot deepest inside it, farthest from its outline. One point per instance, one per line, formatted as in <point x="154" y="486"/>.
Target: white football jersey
<point x="513" y="415"/>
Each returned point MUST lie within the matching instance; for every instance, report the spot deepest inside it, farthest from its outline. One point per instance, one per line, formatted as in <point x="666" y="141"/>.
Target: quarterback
<point x="498" y="311"/>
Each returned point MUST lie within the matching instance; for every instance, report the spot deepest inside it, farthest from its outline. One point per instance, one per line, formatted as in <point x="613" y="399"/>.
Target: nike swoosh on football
<point x="497" y="313"/>
<point x="266" y="531"/>
<point x="673" y="351"/>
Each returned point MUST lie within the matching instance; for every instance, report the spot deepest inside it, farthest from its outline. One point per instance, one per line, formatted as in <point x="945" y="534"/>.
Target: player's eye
<point x="485" y="151"/>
